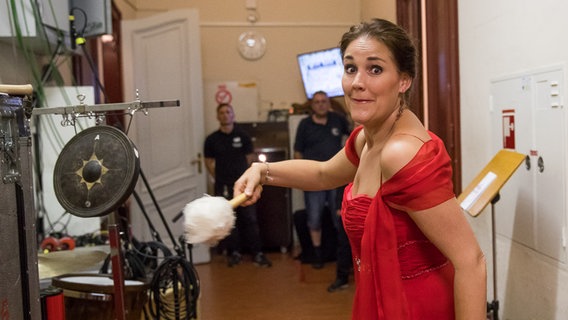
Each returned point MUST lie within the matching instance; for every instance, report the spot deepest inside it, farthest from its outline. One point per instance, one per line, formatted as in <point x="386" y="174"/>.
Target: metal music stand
<point x="484" y="189"/>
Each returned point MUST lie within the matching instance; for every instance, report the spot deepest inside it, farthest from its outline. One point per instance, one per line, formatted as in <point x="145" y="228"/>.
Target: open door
<point x="162" y="61"/>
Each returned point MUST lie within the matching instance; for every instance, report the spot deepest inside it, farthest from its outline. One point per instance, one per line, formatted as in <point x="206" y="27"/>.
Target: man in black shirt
<point x="319" y="137"/>
<point x="228" y="153"/>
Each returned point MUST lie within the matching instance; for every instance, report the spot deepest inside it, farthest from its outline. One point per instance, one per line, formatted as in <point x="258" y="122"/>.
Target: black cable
<point x="77" y="38"/>
<point x="160" y="213"/>
<point x="179" y="275"/>
<point x="153" y="230"/>
<point x="147" y="253"/>
<point x="82" y="33"/>
<point x="51" y="64"/>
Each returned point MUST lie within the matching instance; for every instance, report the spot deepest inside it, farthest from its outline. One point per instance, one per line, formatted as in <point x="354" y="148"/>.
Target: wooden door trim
<point x="442" y="61"/>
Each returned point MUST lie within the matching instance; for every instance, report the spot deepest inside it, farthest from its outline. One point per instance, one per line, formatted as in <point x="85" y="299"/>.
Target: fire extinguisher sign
<point x="508" y="128"/>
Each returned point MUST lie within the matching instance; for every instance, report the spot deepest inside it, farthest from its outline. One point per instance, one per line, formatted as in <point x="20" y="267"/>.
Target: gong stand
<point x="117" y="271"/>
<point x="177" y="248"/>
<point x="88" y="184"/>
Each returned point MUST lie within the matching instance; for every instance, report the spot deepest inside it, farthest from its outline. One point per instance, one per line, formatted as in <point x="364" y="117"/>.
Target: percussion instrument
<point x="81" y="259"/>
<point x="96" y="171"/>
<point x="98" y="168"/>
<point x="52" y="304"/>
<point x="210" y="219"/>
<point x="90" y="296"/>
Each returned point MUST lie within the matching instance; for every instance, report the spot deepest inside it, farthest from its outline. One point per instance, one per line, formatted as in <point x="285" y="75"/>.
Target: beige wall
<point x="290" y="27"/>
<point x="385" y="9"/>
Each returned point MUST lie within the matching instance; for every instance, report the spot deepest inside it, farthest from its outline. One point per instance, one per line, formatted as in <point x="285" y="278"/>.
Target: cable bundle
<point x="174" y="290"/>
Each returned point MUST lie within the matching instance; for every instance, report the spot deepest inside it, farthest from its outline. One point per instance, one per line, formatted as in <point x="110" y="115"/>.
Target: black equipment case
<point x="19" y="281"/>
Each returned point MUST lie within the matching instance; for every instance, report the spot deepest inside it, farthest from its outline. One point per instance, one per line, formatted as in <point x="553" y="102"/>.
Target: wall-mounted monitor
<point x="322" y="70"/>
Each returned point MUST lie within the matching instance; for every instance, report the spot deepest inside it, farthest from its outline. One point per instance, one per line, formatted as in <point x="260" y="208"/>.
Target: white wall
<point x="499" y="38"/>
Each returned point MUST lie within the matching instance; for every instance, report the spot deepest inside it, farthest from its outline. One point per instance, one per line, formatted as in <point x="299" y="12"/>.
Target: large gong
<point x="96" y="171"/>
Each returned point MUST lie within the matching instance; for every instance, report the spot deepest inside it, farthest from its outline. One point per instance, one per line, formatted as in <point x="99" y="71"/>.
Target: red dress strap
<point x="350" y="150"/>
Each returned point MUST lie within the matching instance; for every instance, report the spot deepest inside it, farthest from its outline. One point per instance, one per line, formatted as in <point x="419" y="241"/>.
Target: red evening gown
<point x="399" y="273"/>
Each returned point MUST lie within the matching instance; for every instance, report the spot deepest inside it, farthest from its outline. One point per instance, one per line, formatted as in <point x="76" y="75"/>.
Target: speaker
<point x="92" y="17"/>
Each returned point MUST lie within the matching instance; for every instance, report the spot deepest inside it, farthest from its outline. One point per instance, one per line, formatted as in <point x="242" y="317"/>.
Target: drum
<point x="52" y="304"/>
<point x="90" y="296"/>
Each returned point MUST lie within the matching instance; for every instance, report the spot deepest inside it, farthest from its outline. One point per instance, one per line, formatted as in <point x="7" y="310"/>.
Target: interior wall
<point x="14" y="67"/>
<point x="385" y="9"/>
<point x="299" y="26"/>
<point x="500" y="38"/>
<point x="287" y="29"/>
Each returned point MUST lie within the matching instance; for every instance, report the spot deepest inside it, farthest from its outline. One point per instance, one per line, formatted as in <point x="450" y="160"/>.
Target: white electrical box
<point x="529" y="117"/>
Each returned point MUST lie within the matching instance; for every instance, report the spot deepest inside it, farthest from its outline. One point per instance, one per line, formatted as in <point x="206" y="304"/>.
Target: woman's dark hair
<point x="391" y="35"/>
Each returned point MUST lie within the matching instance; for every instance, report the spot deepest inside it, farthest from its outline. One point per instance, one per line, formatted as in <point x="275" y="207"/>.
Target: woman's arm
<point x="447" y="228"/>
<point x="297" y="173"/>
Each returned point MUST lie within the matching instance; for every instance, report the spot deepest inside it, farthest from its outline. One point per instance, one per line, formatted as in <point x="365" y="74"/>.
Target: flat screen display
<point x="322" y="70"/>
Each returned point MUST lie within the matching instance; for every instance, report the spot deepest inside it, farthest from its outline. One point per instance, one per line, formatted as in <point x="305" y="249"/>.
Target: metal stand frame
<point x="113" y="227"/>
<point x="484" y="189"/>
<point x="117" y="272"/>
<point x="493" y="306"/>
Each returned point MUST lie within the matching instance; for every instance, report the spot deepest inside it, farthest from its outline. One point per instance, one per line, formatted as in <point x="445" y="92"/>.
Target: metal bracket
<point x="9" y="149"/>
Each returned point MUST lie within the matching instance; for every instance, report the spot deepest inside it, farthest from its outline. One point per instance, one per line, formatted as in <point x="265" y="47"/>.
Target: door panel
<point x="162" y="62"/>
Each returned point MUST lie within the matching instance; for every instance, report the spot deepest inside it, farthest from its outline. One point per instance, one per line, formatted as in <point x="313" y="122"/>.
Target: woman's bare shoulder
<point x="401" y="148"/>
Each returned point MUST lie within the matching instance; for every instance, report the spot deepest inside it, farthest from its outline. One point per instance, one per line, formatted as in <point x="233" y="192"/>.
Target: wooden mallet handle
<point x="238" y="200"/>
<point x="17" y="90"/>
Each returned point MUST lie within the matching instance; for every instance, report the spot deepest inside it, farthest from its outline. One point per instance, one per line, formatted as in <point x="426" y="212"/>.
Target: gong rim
<point x="96" y="171"/>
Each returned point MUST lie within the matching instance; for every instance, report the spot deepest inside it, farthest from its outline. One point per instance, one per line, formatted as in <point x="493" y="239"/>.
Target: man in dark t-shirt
<point x="319" y="137"/>
<point x="228" y="153"/>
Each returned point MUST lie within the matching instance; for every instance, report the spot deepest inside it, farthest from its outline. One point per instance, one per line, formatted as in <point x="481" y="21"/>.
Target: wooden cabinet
<point x="274" y="208"/>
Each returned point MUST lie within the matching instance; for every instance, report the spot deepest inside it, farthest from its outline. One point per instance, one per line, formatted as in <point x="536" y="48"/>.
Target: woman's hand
<point x="249" y="183"/>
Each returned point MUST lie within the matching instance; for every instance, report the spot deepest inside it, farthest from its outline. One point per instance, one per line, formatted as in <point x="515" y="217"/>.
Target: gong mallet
<point x="210" y="219"/>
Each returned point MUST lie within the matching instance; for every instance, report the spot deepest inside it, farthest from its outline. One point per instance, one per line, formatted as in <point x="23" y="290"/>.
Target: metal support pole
<point x="493" y="307"/>
<point x="117" y="272"/>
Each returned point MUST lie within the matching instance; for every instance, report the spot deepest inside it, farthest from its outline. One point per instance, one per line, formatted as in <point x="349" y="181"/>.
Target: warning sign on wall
<point x="223" y="95"/>
<point x="508" y="128"/>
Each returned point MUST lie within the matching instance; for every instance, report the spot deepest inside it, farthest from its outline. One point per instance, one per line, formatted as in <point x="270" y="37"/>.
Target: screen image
<point x="322" y="70"/>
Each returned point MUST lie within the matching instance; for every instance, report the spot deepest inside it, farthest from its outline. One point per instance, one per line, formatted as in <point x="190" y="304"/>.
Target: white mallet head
<point x="210" y="219"/>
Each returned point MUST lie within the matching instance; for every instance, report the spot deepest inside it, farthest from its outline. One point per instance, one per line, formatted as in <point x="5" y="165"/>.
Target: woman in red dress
<point x="415" y="255"/>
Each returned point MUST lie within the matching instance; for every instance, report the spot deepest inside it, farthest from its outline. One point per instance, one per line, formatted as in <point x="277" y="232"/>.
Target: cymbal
<point x="81" y="259"/>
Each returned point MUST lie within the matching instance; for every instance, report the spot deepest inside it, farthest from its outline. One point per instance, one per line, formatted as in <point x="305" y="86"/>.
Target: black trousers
<point x="245" y="236"/>
<point x="328" y="237"/>
<point x="344" y="259"/>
